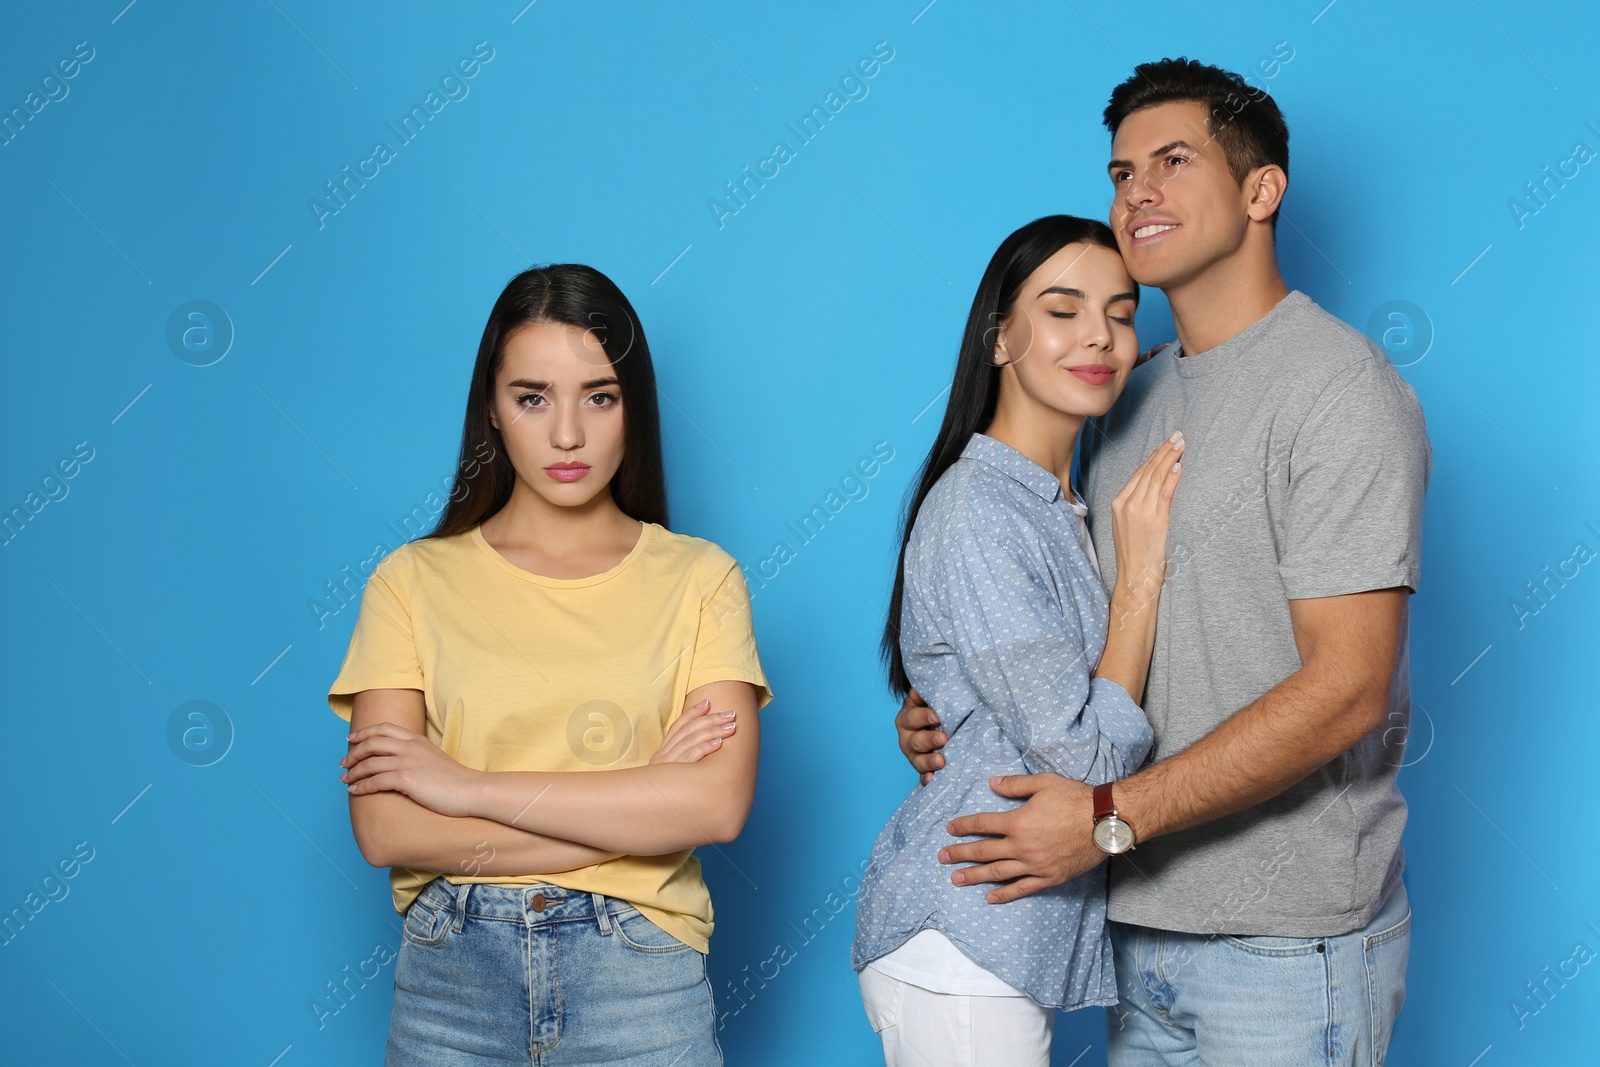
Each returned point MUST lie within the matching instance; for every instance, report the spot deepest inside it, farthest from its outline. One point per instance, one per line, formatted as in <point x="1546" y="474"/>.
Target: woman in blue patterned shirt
<point x="999" y="619"/>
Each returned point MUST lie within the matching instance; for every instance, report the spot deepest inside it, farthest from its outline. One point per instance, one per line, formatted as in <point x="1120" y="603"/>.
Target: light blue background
<point x="819" y="320"/>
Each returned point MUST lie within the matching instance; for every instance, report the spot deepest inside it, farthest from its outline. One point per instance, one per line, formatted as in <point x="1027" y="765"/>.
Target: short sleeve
<point x="725" y="643"/>
<point x="1358" y="470"/>
<point x="382" y="652"/>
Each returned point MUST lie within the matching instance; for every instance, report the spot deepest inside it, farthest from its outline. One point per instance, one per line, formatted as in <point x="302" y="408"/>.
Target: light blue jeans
<point x="543" y="976"/>
<point x="1259" y="1001"/>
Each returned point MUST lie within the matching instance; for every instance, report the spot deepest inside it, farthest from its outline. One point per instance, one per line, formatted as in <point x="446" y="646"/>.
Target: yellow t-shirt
<point x="521" y="672"/>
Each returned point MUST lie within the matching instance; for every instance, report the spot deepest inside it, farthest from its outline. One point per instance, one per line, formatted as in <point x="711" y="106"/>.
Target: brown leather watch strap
<point x="1103" y="806"/>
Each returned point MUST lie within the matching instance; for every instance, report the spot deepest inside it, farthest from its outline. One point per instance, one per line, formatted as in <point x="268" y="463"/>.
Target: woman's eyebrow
<point x="526" y="383"/>
<point x="1078" y="293"/>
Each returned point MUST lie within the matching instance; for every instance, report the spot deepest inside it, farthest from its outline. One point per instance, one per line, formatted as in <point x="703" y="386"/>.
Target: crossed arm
<point x="1349" y="647"/>
<point x="411" y="805"/>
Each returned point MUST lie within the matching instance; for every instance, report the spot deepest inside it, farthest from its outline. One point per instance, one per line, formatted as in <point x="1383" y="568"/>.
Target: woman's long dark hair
<point x="976" y="386"/>
<point x="574" y="295"/>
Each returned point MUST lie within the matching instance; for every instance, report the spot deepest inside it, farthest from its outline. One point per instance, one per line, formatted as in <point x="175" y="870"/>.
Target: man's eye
<point x="1120" y="176"/>
<point x="1176" y="159"/>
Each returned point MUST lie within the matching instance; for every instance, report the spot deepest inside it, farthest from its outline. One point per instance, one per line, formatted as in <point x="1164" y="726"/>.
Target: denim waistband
<point x="533" y="904"/>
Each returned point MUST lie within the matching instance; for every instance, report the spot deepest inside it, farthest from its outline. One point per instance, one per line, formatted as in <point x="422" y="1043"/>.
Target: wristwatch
<point x="1112" y="835"/>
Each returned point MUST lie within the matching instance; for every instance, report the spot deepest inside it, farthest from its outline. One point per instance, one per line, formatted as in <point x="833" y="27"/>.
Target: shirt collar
<point x="1008" y="461"/>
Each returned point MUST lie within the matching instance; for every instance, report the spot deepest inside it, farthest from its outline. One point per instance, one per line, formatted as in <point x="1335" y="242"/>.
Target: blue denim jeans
<point x="1267" y="1001"/>
<point x="545" y="976"/>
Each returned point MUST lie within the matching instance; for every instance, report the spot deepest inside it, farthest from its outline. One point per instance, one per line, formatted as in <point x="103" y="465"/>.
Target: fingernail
<point x="1177" y="435"/>
<point x="704" y="702"/>
<point x="1179" y="466"/>
<point x="1180" y="442"/>
<point x="715" y="741"/>
<point x="956" y="878"/>
<point x="728" y="714"/>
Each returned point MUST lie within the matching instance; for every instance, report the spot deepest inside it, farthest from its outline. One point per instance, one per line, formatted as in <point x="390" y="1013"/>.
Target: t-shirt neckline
<point x="1217" y="356"/>
<point x="645" y="535"/>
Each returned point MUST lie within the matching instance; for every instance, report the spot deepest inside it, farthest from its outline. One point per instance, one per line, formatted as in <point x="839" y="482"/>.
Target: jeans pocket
<point x="642" y="935"/>
<point x="426" y="924"/>
<point x="1386" y="954"/>
<point x="1277" y="946"/>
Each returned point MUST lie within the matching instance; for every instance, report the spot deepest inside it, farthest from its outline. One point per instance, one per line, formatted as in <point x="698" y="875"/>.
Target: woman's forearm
<point x="410" y="835"/>
<point x="652" y="810"/>
<point x="1130" y="635"/>
<point x="640" y="811"/>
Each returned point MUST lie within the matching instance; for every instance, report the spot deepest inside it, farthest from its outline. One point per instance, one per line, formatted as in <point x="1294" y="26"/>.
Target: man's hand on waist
<point x="920" y="736"/>
<point x="1043" y="843"/>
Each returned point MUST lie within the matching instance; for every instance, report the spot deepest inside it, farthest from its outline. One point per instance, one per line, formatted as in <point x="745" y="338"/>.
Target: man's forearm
<point x="1258" y="752"/>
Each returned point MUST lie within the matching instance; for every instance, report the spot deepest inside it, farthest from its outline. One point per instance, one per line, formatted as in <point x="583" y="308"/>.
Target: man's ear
<point x="1266" y="186"/>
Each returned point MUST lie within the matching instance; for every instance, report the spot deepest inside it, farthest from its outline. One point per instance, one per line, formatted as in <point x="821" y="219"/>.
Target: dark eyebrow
<point x="525" y="383"/>
<point x="1078" y="293"/>
<point x="1163" y="150"/>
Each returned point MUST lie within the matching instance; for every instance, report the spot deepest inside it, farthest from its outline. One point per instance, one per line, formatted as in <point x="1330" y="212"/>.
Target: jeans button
<point x="539" y="902"/>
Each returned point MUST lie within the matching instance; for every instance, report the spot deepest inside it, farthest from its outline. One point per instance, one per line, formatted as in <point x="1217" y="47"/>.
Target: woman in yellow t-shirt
<point x="552" y="701"/>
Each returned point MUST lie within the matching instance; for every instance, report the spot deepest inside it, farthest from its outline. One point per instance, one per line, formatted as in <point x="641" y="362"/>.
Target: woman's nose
<point x="565" y="431"/>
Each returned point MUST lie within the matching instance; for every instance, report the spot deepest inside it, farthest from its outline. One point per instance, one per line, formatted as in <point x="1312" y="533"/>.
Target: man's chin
<point x="1155" y="272"/>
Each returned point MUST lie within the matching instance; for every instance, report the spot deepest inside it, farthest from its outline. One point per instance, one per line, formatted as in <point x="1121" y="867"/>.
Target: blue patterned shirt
<point x="1003" y="619"/>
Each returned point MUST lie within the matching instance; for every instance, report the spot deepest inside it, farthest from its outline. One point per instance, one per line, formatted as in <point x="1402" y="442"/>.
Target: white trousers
<point x="921" y="1028"/>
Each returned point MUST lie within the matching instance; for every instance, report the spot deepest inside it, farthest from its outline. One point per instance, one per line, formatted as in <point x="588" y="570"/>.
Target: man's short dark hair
<point x="1244" y="120"/>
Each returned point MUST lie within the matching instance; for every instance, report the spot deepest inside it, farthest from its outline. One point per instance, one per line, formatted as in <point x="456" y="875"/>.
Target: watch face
<point x="1113" y="835"/>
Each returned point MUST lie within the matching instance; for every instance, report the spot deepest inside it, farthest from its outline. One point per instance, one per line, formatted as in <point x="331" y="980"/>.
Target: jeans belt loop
<point x="602" y="914"/>
<point x="460" y="905"/>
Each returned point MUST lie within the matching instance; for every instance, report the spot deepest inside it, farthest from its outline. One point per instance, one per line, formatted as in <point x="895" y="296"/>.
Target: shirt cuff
<point x="1122" y="720"/>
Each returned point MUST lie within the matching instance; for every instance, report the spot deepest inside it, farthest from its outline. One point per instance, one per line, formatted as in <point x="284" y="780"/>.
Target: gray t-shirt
<point x="1304" y="471"/>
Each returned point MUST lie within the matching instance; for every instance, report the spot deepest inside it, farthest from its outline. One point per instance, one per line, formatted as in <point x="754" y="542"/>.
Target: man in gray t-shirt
<point x="1261" y="917"/>
<point x="1303" y="478"/>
